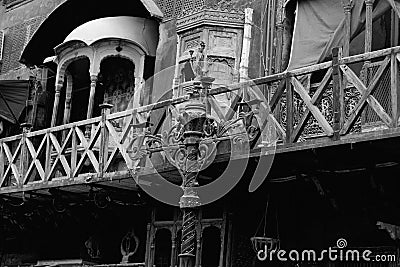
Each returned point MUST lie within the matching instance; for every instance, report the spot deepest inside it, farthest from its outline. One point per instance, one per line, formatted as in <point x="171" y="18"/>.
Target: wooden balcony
<point x="349" y="101"/>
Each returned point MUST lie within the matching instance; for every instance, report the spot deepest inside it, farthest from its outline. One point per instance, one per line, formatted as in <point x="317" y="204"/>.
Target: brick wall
<point x="19" y="19"/>
<point x="16" y="37"/>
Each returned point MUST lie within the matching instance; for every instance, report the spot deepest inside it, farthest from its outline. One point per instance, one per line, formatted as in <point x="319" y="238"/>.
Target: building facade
<point x="108" y="87"/>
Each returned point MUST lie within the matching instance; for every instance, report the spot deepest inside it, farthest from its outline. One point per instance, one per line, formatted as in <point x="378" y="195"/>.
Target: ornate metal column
<point x="193" y="121"/>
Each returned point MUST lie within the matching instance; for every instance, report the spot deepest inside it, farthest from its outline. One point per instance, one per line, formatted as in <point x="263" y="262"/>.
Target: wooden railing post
<point x="279" y="38"/>
<point x="394" y="69"/>
<point x="289" y="109"/>
<point x="368" y="25"/>
<point x="337" y="94"/>
<point x="68" y="98"/>
<point x="24" y="153"/>
<point x="47" y="164"/>
<point x="103" y="156"/>
<point x="2" y="162"/>
<point x="93" y="83"/>
<point x="394" y="80"/>
<point x="347" y="6"/>
<point x="74" y="152"/>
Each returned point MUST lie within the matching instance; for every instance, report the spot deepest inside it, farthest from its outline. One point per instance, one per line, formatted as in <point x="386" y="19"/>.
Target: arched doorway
<point x="77" y="99"/>
<point x="163" y="248"/>
<point x="211" y="247"/>
<point x="117" y="83"/>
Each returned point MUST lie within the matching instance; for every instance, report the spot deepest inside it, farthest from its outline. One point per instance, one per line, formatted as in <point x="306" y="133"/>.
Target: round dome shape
<point x="141" y="31"/>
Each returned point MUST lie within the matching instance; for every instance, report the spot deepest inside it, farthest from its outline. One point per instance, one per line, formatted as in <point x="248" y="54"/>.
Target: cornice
<point x="214" y="15"/>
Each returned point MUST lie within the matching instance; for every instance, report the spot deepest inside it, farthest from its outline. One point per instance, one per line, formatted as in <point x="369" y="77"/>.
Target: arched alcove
<point x="56" y="27"/>
<point x="163" y="247"/>
<point x="116" y="84"/>
<point x="178" y="247"/>
<point x="79" y="95"/>
<point x="211" y="246"/>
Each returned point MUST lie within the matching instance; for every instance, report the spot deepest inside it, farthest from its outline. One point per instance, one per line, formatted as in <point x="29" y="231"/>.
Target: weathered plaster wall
<point x="19" y="24"/>
<point x="20" y="14"/>
<point x="255" y="52"/>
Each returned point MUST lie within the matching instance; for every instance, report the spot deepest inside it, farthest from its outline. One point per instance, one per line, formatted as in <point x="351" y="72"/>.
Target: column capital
<point x="26" y="126"/>
<point x="369" y="2"/>
<point x="93" y="77"/>
<point x="280" y="26"/>
<point x="347" y="5"/>
<point x="58" y="88"/>
<point x="105" y="106"/>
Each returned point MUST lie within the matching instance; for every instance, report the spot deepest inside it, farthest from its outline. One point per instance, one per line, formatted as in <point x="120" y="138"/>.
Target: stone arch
<point x="108" y="48"/>
<point x="67" y="59"/>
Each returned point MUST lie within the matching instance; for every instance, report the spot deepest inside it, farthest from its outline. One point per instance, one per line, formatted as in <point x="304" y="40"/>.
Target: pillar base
<point x="187" y="260"/>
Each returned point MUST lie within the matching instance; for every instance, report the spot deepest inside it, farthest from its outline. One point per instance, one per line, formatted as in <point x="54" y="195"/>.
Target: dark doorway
<point x="163" y="248"/>
<point x="211" y="247"/>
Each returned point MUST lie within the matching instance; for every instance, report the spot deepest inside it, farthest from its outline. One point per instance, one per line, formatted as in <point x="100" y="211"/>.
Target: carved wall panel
<point x="190" y="42"/>
<point x="312" y="128"/>
<point x="221" y="42"/>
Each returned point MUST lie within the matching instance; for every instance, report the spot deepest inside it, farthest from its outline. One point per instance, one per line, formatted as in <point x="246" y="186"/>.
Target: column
<point x="59" y="85"/>
<point x="347" y="6"/>
<point x="93" y="82"/>
<point x="194" y="117"/>
<point x="368" y="25"/>
<point x="278" y="56"/>
<point x="68" y="96"/>
<point x="244" y="61"/>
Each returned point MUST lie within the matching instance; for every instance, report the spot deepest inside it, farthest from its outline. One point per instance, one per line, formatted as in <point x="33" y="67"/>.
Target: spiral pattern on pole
<point x="188" y="232"/>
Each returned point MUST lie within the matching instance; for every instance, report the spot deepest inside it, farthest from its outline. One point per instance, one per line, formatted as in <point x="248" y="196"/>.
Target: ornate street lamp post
<point x="193" y="121"/>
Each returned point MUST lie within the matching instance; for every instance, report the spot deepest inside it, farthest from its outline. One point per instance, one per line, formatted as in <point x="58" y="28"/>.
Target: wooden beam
<point x="59" y="85"/>
<point x="35" y="162"/>
<point x="395" y="94"/>
<point x="314" y="109"/>
<point x="88" y="150"/>
<point x="146" y="173"/>
<point x="289" y="110"/>
<point x="278" y="95"/>
<point x="216" y="108"/>
<point x="60" y="157"/>
<point x="74" y="152"/>
<point x="366" y="96"/>
<point x="93" y="83"/>
<point x="347" y="6"/>
<point x="336" y="94"/>
<point x="11" y="162"/>
<point x="234" y="106"/>
<point x="2" y="163"/>
<point x="368" y="25"/>
<point x="120" y="144"/>
<point x="314" y="100"/>
<point x="370" y="55"/>
<point x="68" y="96"/>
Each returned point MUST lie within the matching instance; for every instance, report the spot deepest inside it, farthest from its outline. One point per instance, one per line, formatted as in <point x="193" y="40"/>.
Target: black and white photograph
<point x="200" y="133"/>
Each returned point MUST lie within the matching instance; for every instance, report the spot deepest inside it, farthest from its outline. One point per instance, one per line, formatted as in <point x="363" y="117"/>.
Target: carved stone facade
<point x="220" y="27"/>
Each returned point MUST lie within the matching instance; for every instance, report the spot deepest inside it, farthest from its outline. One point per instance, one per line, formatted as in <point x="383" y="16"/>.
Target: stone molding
<point x="215" y="16"/>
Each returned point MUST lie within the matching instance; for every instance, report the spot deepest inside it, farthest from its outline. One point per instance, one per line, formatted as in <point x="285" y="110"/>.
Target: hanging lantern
<point x="265" y="244"/>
